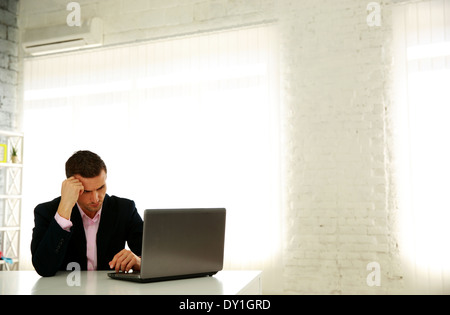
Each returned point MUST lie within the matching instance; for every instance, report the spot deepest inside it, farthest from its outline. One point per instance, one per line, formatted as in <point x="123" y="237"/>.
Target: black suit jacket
<point x="53" y="248"/>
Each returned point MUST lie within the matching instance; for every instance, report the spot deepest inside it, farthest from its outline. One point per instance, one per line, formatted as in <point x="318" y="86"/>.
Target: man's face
<point x="91" y="200"/>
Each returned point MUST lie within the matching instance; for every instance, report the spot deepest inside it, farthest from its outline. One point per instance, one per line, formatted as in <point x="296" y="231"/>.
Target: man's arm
<point x="50" y="239"/>
<point x="125" y="259"/>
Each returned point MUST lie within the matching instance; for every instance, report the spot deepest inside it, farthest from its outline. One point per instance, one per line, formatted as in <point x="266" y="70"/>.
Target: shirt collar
<point x="85" y="217"/>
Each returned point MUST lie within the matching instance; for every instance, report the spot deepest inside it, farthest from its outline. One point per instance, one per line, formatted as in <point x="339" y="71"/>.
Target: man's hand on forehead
<point x="71" y="190"/>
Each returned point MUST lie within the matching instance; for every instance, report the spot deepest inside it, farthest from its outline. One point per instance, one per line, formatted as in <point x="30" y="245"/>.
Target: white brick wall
<point x="8" y="63"/>
<point x="337" y="210"/>
<point x="338" y="216"/>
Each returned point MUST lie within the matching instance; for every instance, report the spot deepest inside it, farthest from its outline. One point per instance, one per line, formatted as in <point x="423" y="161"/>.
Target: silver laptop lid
<point x="182" y="242"/>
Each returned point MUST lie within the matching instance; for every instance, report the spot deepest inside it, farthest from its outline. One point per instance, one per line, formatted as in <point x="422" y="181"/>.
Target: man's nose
<point x="94" y="196"/>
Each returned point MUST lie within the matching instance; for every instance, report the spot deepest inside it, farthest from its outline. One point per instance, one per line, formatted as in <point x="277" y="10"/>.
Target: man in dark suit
<point x="85" y="225"/>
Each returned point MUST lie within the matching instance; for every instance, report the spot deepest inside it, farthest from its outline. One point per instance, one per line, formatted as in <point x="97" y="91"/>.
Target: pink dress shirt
<point x="90" y="229"/>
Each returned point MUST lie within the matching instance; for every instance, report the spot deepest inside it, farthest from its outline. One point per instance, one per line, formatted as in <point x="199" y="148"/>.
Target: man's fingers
<point x="123" y="261"/>
<point x="71" y="189"/>
<point x="76" y="183"/>
<point x="113" y="262"/>
<point x="126" y="263"/>
<point x="120" y="263"/>
<point x="117" y="261"/>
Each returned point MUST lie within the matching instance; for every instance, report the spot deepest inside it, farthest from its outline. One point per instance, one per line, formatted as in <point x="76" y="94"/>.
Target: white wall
<point x="338" y="215"/>
<point x="9" y="38"/>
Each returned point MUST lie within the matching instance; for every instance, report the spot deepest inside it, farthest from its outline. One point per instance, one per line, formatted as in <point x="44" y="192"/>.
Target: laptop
<point x="180" y="243"/>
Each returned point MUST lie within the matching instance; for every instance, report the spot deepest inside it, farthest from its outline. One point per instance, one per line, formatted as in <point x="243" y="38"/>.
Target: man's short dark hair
<point x="86" y="164"/>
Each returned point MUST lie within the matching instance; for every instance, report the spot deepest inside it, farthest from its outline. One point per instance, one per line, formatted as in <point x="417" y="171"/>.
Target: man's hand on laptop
<point x="125" y="260"/>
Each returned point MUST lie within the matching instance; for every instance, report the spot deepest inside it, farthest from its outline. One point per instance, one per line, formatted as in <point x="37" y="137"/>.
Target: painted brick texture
<point x="9" y="40"/>
<point x="337" y="211"/>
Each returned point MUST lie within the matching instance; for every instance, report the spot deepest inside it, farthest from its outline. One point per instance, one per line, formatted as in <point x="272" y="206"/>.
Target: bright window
<point x="181" y="122"/>
<point x="422" y="43"/>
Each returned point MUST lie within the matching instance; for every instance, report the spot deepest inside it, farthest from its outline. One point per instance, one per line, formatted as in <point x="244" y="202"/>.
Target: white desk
<point x="98" y="282"/>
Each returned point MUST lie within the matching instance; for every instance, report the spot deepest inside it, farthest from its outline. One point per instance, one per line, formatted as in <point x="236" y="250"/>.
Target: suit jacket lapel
<point x="78" y="235"/>
<point x="104" y="231"/>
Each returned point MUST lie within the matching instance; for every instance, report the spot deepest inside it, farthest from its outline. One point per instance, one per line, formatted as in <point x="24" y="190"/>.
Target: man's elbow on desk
<point x="44" y="271"/>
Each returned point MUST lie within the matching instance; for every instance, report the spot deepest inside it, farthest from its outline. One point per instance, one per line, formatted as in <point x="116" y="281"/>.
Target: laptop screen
<point x="182" y="242"/>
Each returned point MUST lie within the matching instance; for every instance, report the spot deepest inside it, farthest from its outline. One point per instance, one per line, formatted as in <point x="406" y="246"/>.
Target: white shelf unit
<point x="11" y="199"/>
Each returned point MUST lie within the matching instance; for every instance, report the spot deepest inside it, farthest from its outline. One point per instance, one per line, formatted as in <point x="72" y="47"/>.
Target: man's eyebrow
<point x="88" y="191"/>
